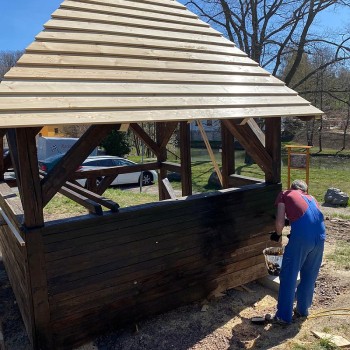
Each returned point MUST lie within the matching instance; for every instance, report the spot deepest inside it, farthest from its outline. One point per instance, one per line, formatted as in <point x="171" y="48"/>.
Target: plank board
<point x="145" y="44"/>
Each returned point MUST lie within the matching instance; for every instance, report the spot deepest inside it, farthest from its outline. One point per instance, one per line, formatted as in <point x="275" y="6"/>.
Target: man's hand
<point x="274" y="236"/>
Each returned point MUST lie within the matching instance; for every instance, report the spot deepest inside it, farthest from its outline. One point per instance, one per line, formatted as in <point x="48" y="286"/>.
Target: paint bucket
<point x="273" y="259"/>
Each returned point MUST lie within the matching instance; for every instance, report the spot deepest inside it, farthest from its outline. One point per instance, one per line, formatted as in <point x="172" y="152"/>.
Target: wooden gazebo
<point x="117" y="64"/>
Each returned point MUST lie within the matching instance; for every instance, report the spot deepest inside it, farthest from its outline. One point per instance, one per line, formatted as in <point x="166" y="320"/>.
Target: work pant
<point x="303" y="254"/>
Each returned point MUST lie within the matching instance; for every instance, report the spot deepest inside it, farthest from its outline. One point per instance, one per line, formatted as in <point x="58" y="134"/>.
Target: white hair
<point x="299" y="185"/>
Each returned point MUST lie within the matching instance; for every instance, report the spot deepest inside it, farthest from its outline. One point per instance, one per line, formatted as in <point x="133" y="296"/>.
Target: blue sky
<point x="22" y="20"/>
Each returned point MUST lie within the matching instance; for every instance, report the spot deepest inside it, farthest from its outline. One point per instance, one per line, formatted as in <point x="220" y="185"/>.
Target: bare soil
<point x="221" y="323"/>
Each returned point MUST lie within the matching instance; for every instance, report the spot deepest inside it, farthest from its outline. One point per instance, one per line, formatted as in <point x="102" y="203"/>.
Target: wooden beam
<point x="11" y="205"/>
<point x="169" y="188"/>
<point x="161" y="157"/>
<point x="251" y="142"/>
<point x="105" y="183"/>
<point x="7" y="162"/>
<point x="89" y="204"/>
<point x="108" y="203"/>
<point x="43" y="337"/>
<point x="110" y="171"/>
<point x="2" y="165"/>
<point x="227" y="155"/>
<point x="168" y="132"/>
<point x="64" y="169"/>
<point x="25" y="161"/>
<point x="174" y="167"/>
<point x="210" y="151"/>
<point x="145" y="138"/>
<point x="185" y="156"/>
<point x="273" y="147"/>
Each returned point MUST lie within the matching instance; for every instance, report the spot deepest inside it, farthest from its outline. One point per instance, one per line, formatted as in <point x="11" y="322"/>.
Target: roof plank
<point x="137" y="52"/>
<point x="143" y="102"/>
<point x="137" y="13"/>
<point x="91" y="17"/>
<point x="136" y="63"/>
<point x="153" y="7"/>
<point x="87" y="88"/>
<point x="13" y="120"/>
<point x="121" y="29"/>
<point x="135" y="41"/>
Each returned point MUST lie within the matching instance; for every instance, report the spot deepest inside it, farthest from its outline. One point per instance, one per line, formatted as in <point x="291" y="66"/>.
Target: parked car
<point x="98" y="162"/>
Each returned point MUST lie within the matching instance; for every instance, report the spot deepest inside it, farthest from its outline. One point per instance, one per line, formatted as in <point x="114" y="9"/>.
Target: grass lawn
<point x="320" y="181"/>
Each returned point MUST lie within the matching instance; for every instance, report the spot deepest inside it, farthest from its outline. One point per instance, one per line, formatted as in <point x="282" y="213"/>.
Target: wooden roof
<point x="120" y="61"/>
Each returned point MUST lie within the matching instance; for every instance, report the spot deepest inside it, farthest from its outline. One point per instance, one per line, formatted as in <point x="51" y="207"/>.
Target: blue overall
<point x="303" y="254"/>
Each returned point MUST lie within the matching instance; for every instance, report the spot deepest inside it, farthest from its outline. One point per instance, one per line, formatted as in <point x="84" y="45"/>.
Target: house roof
<point x="120" y="61"/>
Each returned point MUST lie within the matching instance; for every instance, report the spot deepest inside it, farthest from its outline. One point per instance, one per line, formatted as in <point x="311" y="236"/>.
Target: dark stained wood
<point x="174" y="167"/>
<point x="114" y="171"/>
<point x="161" y="157"/>
<point x="145" y="138"/>
<point x="227" y="155"/>
<point x="23" y="148"/>
<point x="168" y="132"/>
<point x="108" y="203"/>
<point x="251" y="141"/>
<point x="38" y="287"/>
<point x="2" y="166"/>
<point x="185" y="155"/>
<point x="89" y="204"/>
<point x="121" y="267"/>
<point x="273" y="147"/>
<point x="14" y="257"/>
<point x="7" y="162"/>
<point x="64" y="169"/>
<point x="11" y="204"/>
<point x="105" y="183"/>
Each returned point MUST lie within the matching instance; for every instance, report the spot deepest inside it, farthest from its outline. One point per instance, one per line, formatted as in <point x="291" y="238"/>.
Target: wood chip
<point x="336" y="339"/>
<point x="205" y="308"/>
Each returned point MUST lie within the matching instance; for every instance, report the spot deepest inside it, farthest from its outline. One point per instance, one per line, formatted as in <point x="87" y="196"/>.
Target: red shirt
<point x="294" y="203"/>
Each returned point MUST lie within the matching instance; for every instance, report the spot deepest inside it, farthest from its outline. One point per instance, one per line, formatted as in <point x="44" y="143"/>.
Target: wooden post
<point x="227" y="155"/>
<point x="38" y="288"/>
<point x="161" y="157"/>
<point x="25" y="162"/>
<point x="273" y="147"/>
<point x="2" y="165"/>
<point x="185" y="155"/>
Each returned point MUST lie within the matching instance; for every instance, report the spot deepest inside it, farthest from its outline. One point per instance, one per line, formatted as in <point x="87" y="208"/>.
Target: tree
<point x="7" y="60"/>
<point x="277" y="31"/>
<point x="116" y="143"/>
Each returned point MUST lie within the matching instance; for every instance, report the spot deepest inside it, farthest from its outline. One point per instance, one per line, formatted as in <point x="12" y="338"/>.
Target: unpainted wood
<point x="152" y="21"/>
<point x="121" y="50"/>
<point x="133" y="13"/>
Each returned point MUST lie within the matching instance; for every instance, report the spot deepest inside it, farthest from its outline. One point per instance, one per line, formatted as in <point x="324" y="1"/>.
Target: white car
<point x="97" y="162"/>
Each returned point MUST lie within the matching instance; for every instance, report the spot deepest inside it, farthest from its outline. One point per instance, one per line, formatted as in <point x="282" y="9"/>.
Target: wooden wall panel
<point x="145" y="260"/>
<point x="15" y="261"/>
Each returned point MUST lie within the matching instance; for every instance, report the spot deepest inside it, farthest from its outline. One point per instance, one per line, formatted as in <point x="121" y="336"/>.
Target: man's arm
<point x="280" y="218"/>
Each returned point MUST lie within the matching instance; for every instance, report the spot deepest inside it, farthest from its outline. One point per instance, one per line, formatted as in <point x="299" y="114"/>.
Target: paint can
<point x="273" y="259"/>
